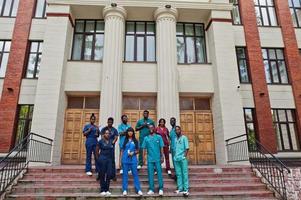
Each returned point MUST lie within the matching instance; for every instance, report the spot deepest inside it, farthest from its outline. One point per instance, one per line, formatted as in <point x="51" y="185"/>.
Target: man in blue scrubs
<point x="172" y="137"/>
<point x="122" y="128"/>
<point x="153" y="144"/>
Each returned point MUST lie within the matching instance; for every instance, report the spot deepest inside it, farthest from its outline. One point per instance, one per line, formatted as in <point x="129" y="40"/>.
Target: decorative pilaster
<point x="168" y="92"/>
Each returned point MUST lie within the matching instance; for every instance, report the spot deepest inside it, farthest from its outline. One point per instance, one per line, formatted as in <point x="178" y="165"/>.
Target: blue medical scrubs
<point x="121" y="129"/>
<point x="130" y="163"/>
<point x="91" y="142"/>
<point x="105" y="164"/>
<point x="173" y="136"/>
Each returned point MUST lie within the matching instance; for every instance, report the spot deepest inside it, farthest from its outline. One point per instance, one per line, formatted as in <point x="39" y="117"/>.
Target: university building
<point x="221" y="68"/>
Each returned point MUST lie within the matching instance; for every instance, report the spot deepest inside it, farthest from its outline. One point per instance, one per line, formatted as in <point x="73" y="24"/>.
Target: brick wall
<point x="14" y="74"/>
<point x="293" y="184"/>
<point x="265" y="130"/>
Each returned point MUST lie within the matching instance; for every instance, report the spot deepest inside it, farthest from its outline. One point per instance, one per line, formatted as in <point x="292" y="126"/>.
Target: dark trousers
<point x="105" y="173"/>
<point x="166" y="155"/>
<point x="90" y="149"/>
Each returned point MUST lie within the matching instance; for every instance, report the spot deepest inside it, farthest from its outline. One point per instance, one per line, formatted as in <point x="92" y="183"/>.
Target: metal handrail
<point x="18" y="159"/>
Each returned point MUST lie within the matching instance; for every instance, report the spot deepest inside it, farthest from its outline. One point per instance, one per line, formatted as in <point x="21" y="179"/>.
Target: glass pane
<point x="7" y="8"/>
<point x="274" y="115"/>
<point x="279" y="142"/>
<point x="273" y="17"/>
<point x="283" y="73"/>
<point x="92" y="103"/>
<point x="30" y="112"/>
<point x="243" y="71"/>
<point x="265" y="18"/>
<point x="130" y="27"/>
<point x="180" y="29"/>
<point x="34" y="47"/>
<point x="293" y="136"/>
<point x="248" y="115"/>
<point x="147" y="103"/>
<point x="202" y="104"/>
<point x="251" y="133"/>
<point x="270" y="2"/>
<point x="275" y="72"/>
<point x="38" y="66"/>
<point x="236" y="15"/>
<point x="129" y="53"/>
<point x="75" y="102"/>
<point x="272" y="53"/>
<point x="264" y="53"/>
<point x="285" y="137"/>
<point x="131" y="103"/>
<point x="98" y="54"/>
<point x="281" y="115"/>
<point x="199" y="31"/>
<point x="31" y="65"/>
<point x="140" y="48"/>
<point x="297" y="3"/>
<point x="190" y="50"/>
<point x="267" y="72"/>
<point x="180" y="49"/>
<point x="151" y="50"/>
<point x="189" y="29"/>
<point x="23" y="113"/>
<point x="298" y="13"/>
<point x="201" y="52"/>
<point x="20" y="131"/>
<point x="100" y="26"/>
<point x="150" y="28"/>
<point x="3" y="64"/>
<point x="40" y="8"/>
<point x="140" y="28"/>
<point x="88" y="47"/>
<point x="279" y="53"/>
<point x="1" y="44"/>
<point x="1" y="4"/>
<point x="240" y="52"/>
<point x="77" y="47"/>
<point x="290" y="115"/>
<point x="186" y="104"/>
<point x="79" y="26"/>
<point x="15" y="8"/>
<point x="294" y="17"/>
<point x="90" y="26"/>
<point x="258" y="16"/>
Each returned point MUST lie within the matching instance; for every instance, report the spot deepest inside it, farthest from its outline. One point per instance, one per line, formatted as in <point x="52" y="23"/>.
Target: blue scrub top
<point x="153" y="144"/>
<point x="113" y="132"/>
<point x="106" y="149"/>
<point x="129" y="147"/>
<point x="173" y="137"/>
<point x="93" y="135"/>
<point x="122" y="128"/>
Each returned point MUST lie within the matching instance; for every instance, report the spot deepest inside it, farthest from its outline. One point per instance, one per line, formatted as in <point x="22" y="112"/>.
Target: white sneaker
<point x="160" y="192"/>
<point x="124" y="193"/>
<point x="186" y="193"/>
<point x="178" y="192"/>
<point x="89" y="173"/>
<point x="103" y="193"/>
<point x="156" y="172"/>
<point x="140" y="193"/>
<point x="108" y="193"/>
<point x="139" y="167"/>
<point x="169" y="172"/>
<point x="130" y="172"/>
<point x="121" y="171"/>
<point x="150" y="192"/>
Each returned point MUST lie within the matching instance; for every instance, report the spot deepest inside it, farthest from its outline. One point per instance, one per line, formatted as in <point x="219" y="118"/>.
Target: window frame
<point x="136" y="35"/>
<point x="83" y="45"/>
<point x="44" y="10"/>
<point x="2" y="9"/>
<point x="37" y="55"/>
<point x="4" y="52"/>
<point x="239" y="12"/>
<point x="293" y="8"/>
<point x="287" y="123"/>
<point x="254" y="122"/>
<point x="184" y="36"/>
<point x="247" y="64"/>
<point x="278" y="71"/>
<point x="268" y="14"/>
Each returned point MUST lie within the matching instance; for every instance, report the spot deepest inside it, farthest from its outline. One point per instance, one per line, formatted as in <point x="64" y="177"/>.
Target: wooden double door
<point x="74" y="150"/>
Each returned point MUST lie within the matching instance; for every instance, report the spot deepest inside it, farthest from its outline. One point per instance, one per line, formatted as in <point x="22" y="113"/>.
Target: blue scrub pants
<point x="91" y="148"/>
<point x="105" y="173"/>
<point x="151" y="173"/>
<point x="181" y="168"/>
<point x="125" y="179"/>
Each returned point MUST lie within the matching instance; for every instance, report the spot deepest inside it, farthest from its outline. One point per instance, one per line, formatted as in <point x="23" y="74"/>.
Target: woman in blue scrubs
<point x="91" y="132"/>
<point x="105" y="156"/>
<point x="129" y="151"/>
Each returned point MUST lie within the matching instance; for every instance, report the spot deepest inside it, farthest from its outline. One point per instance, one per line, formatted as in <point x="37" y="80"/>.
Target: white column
<point x="111" y="91"/>
<point x="50" y="100"/>
<point x="168" y="92"/>
<point x="226" y="103"/>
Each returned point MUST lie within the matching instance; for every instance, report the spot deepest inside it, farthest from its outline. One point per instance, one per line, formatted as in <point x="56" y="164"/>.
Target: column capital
<point x="164" y="12"/>
<point x="118" y="11"/>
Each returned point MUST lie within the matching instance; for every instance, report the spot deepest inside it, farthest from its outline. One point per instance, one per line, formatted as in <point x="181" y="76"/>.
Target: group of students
<point x="155" y="143"/>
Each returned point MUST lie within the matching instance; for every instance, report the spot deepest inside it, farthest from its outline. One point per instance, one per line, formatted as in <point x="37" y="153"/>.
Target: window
<point x="242" y="65"/>
<point x="295" y="7"/>
<point x="235" y="12"/>
<point x="91" y="102"/>
<point x="285" y="127"/>
<point x="34" y="60"/>
<point x="140" y="42"/>
<point x="4" y="53"/>
<point x="8" y="8"/>
<point x="191" y="47"/>
<point x="40" y="9"/>
<point x="265" y="12"/>
<point x="24" y="122"/>
<point x="249" y="115"/>
<point x="88" y="40"/>
<point x="275" y="68"/>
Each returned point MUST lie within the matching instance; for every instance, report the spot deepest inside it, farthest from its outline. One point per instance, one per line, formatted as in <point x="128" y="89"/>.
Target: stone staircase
<point x="207" y="182"/>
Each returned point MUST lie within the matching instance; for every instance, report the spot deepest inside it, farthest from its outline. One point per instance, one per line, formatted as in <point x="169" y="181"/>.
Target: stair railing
<point x="271" y="169"/>
<point x="33" y="148"/>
